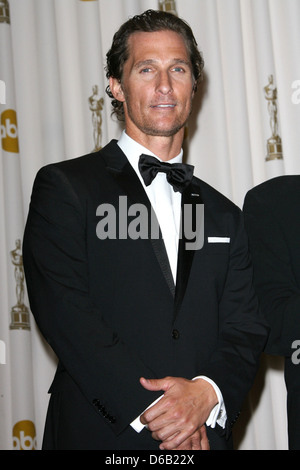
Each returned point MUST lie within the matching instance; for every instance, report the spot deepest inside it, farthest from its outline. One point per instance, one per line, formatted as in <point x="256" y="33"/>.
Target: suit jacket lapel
<point x="118" y="165"/>
<point x="191" y="197"/>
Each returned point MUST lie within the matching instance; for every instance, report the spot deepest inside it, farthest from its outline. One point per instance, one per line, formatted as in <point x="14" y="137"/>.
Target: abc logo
<point x="24" y="437"/>
<point x="9" y="131"/>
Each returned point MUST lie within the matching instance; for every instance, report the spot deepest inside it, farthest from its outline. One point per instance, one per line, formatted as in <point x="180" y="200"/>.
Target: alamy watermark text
<point x="134" y="222"/>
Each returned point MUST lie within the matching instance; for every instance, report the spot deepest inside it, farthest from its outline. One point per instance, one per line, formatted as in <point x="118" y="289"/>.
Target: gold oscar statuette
<point x="274" y="145"/>
<point x="168" y="5"/>
<point x="19" y="313"/>
<point x="4" y="12"/>
<point x="96" y="106"/>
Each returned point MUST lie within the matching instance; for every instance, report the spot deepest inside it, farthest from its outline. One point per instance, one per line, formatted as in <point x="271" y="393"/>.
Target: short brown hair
<point x="149" y="21"/>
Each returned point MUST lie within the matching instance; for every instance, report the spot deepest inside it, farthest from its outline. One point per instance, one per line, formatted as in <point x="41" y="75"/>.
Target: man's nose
<point x="164" y="83"/>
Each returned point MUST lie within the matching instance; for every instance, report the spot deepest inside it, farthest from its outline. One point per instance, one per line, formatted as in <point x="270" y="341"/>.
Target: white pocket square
<point x="218" y="240"/>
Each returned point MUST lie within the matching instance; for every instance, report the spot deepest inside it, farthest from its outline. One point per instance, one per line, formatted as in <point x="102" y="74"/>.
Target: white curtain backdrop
<point x="52" y="56"/>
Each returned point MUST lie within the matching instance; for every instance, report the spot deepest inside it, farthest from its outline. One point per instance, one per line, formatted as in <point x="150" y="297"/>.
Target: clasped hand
<point x="178" y="418"/>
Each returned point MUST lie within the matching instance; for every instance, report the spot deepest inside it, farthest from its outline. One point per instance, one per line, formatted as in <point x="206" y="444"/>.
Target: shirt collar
<point x="133" y="150"/>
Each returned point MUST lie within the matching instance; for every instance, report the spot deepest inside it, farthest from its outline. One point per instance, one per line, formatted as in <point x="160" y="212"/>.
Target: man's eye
<point x="178" y="69"/>
<point x="146" y="70"/>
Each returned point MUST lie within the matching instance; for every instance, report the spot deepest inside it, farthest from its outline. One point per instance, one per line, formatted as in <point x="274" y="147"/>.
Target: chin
<point x="163" y="132"/>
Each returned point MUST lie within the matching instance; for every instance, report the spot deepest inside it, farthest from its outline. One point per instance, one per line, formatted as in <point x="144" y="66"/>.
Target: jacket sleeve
<point x="274" y="279"/>
<point x="242" y="329"/>
<point x="56" y="270"/>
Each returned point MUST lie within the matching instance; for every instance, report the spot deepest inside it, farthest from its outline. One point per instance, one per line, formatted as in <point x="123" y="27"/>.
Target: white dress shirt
<point x="166" y="204"/>
<point x="165" y="201"/>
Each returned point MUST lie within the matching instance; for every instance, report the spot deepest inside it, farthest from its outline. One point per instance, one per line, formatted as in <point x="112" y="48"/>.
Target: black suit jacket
<point x="112" y="314"/>
<point x="273" y="224"/>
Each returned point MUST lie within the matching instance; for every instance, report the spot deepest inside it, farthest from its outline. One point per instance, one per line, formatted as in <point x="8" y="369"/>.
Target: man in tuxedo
<point x="271" y="216"/>
<point x="158" y="337"/>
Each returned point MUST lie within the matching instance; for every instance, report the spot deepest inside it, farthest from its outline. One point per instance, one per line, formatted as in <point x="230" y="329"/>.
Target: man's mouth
<point x="162" y="106"/>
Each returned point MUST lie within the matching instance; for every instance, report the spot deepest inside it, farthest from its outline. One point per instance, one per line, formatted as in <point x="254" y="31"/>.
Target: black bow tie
<point x="179" y="175"/>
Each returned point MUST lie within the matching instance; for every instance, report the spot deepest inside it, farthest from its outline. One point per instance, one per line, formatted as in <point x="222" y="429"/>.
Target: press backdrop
<point x="53" y="107"/>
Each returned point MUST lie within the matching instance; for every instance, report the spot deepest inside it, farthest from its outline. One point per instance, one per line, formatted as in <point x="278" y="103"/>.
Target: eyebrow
<point x="154" y="61"/>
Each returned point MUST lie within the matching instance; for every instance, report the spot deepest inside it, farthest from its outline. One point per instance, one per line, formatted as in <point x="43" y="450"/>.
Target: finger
<point x="155" y="413"/>
<point x="142" y="417"/>
<point x="190" y="444"/>
<point x="155" y="385"/>
<point x="175" y="440"/>
<point x="197" y="441"/>
<point x="193" y="442"/>
<point x="162" y="409"/>
<point x="165" y="434"/>
<point x="157" y="438"/>
<point x="204" y="439"/>
<point x="186" y="445"/>
<point x="174" y="443"/>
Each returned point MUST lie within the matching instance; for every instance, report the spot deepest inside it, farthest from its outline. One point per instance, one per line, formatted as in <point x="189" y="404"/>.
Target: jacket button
<point x="175" y="334"/>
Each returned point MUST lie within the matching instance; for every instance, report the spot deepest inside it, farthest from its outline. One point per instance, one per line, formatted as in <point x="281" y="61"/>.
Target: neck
<point x="165" y="148"/>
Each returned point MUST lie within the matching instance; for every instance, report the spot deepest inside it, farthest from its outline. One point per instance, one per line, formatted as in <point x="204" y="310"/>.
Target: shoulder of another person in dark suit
<point x="274" y="191"/>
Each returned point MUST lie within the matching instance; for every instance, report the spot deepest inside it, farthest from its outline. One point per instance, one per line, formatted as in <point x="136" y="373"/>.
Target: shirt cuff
<point x="218" y="414"/>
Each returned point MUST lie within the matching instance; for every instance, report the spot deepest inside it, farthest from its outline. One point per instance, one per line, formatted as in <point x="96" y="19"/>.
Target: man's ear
<point x="116" y="89"/>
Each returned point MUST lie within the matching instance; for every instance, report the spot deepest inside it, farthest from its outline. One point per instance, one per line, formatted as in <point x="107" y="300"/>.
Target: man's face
<point x="157" y="84"/>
